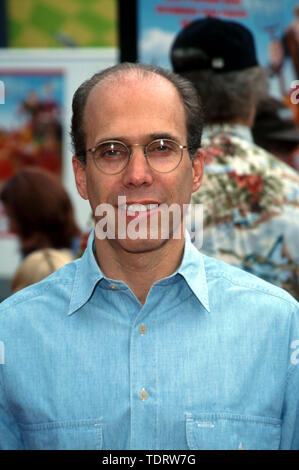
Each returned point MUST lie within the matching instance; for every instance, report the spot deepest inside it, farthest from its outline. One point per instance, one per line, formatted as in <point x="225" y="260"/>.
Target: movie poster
<point x="67" y="23"/>
<point x="36" y="91"/>
<point x="270" y="21"/>
<point x="30" y="121"/>
<point x="275" y="27"/>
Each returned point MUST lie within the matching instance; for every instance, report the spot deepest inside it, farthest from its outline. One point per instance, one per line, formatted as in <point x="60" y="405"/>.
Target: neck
<point x="249" y="120"/>
<point x="243" y="122"/>
<point x="37" y="241"/>
<point x="140" y="268"/>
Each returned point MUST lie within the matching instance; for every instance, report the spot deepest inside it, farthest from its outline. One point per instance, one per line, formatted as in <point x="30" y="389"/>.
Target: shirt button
<point x="143" y="395"/>
<point x="142" y="329"/>
<point x="113" y="287"/>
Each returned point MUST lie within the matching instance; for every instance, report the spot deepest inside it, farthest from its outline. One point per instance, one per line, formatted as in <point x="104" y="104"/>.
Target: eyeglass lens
<point x="163" y="155"/>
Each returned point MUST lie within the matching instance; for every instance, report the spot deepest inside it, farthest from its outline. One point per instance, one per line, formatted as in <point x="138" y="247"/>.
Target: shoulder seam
<point x="255" y="288"/>
<point x="15" y="303"/>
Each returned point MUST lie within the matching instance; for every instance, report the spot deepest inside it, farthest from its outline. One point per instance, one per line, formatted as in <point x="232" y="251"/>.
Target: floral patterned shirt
<point x="251" y="207"/>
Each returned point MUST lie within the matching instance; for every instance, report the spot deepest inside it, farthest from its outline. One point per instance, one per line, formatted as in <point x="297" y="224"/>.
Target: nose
<point x="138" y="172"/>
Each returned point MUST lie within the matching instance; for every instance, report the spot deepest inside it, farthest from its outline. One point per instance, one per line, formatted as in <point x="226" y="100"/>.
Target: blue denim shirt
<point x="211" y="361"/>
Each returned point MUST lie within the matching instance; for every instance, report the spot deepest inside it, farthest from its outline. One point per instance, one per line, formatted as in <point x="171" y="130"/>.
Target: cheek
<point x="101" y="189"/>
<point x="92" y="189"/>
<point x="184" y="186"/>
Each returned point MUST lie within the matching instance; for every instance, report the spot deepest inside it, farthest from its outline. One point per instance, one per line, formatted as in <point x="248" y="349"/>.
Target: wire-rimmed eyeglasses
<point x="112" y="156"/>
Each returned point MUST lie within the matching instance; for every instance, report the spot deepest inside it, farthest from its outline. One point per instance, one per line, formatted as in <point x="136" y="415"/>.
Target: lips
<point x="134" y="209"/>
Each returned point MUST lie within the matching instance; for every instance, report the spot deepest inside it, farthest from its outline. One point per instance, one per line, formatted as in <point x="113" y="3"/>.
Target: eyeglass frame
<point x="128" y="147"/>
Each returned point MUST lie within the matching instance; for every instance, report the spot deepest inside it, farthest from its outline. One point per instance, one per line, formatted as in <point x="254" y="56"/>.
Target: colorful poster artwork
<point x="275" y="27"/>
<point x="30" y="121"/>
<point x="159" y="21"/>
<point x="67" y="23"/>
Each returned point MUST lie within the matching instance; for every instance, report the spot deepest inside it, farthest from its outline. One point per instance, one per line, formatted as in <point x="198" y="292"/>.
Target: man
<point x="250" y="198"/>
<point x="145" y="343"/>
<point x="275" y="131"/>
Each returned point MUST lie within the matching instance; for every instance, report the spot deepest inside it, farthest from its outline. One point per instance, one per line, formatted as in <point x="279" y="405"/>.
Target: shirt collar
<point x="88" y="274"/>
<point x="237" y="130"/>
<point x="193" y="271"/>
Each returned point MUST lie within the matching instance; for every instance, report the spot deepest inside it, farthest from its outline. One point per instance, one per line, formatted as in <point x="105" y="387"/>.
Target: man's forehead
<point x="132" y="81"/>
<point x="119" y="101"/>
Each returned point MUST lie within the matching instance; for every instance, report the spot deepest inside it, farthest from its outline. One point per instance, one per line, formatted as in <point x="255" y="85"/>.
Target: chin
<point x="140" y="246"/>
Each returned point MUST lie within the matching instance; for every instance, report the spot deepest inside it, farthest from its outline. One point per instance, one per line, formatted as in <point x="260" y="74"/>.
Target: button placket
<point x="143" y="395"/>
<point x="142" y="371"/>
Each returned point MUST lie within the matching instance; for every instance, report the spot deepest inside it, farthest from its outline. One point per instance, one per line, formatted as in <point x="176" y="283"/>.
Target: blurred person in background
<point x="40" y="212"/>
<point x="275" y="131"/>
<point x="38" y="265"/>
<point x="250" y="198"/>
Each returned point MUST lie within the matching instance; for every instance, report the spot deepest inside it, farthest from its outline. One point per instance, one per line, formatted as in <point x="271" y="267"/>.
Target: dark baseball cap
<point x="211" y="43"/>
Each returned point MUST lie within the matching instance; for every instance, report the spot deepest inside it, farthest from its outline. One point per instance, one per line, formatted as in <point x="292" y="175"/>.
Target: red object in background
<point x="7" y="169"/>
<point x="35" y="136"/>
<point x="254" y="183"/>
<point x="176" y="10"/>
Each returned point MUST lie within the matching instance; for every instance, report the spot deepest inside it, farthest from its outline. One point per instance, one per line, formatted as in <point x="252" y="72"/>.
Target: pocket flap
<point x="84" y="434"/>
<point x="226" y="431"/>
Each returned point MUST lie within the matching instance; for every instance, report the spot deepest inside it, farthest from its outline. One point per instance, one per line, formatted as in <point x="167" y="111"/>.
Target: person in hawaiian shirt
<point x="250" y="198"/>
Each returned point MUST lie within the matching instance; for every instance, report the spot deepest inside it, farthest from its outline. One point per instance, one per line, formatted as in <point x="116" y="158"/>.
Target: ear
<point x="197" y="169"/>
<point x="80" y="177"/>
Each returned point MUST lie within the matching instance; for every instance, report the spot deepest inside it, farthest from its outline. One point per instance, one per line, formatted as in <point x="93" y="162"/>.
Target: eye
<point x="111" y="149"/>
<point x="164" y="147"/>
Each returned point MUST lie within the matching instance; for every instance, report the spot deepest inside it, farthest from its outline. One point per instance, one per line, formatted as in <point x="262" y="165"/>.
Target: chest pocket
<point x="226" y="431"/>
<point x="85" y="434"/>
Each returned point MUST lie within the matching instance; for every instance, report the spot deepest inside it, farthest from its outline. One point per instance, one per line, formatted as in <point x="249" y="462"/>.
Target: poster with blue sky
<point x="160" y="20"/>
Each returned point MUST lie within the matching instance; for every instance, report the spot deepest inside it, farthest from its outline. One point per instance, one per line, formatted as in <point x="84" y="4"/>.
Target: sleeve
<point x="290" y="415"/>
<point x="10" y="438"/>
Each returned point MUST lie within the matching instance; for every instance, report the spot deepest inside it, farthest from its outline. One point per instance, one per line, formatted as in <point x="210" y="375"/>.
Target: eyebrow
<point x="164" y="135"/>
